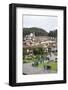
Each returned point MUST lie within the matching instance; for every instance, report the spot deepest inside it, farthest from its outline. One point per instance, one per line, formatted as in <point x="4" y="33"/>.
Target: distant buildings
<point x="47" y="43"/>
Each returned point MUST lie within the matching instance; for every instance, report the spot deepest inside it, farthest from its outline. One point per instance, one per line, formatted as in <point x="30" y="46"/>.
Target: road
<point x="29" y="69"/>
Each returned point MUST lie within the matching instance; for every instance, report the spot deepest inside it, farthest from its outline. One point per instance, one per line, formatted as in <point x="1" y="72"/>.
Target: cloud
<point x="46" y="22"/>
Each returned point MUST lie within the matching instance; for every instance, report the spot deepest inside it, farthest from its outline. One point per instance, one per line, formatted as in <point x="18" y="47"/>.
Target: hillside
<point x="38" y="31"/>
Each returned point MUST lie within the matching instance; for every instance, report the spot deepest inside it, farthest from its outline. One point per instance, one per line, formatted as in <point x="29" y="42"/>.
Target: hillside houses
<point x="47" y="43"/>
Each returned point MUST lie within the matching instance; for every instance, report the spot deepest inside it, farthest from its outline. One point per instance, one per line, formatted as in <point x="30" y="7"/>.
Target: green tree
<point x="53" y="33"/>
<point x="38" y="51"/>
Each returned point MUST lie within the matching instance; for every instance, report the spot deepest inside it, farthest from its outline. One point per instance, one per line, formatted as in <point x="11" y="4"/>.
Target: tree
<point x="38" y="51"/>
<point x="24" y="52"/>
<point x="53" y="33"/>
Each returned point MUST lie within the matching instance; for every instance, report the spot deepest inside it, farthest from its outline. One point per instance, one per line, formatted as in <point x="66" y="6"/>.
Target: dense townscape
<point x="47" y="43"/>
<point x="39" y="53"/>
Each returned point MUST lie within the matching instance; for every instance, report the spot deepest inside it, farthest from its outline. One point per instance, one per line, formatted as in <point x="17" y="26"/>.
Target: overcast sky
<point x="47" y="23"/>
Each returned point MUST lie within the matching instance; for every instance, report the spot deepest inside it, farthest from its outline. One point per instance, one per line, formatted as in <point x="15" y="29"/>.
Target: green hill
<point x="38" y="31"/>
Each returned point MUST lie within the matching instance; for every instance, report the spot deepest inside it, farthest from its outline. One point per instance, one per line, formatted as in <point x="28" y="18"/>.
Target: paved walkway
<point x="29" y="69"/>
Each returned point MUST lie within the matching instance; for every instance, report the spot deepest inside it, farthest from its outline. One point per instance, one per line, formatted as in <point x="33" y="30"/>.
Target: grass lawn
<point x="53" y="65"/>
<point x="31" y="59"/>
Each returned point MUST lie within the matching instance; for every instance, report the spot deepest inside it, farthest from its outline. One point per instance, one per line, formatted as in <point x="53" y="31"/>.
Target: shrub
<point x="37" y="51"/>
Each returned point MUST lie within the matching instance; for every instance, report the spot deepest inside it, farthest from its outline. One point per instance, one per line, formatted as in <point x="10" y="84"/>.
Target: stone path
<point x="29" y="69"/>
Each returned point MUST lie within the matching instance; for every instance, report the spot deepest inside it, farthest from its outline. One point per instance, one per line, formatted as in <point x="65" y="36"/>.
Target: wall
<point x="4" y="44"/>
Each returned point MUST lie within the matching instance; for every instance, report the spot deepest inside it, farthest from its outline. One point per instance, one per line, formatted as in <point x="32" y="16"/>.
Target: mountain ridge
<point x="39" y="32"/>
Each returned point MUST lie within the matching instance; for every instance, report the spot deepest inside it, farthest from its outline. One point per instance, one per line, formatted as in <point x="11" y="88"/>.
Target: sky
<point x="47" y="23"/>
